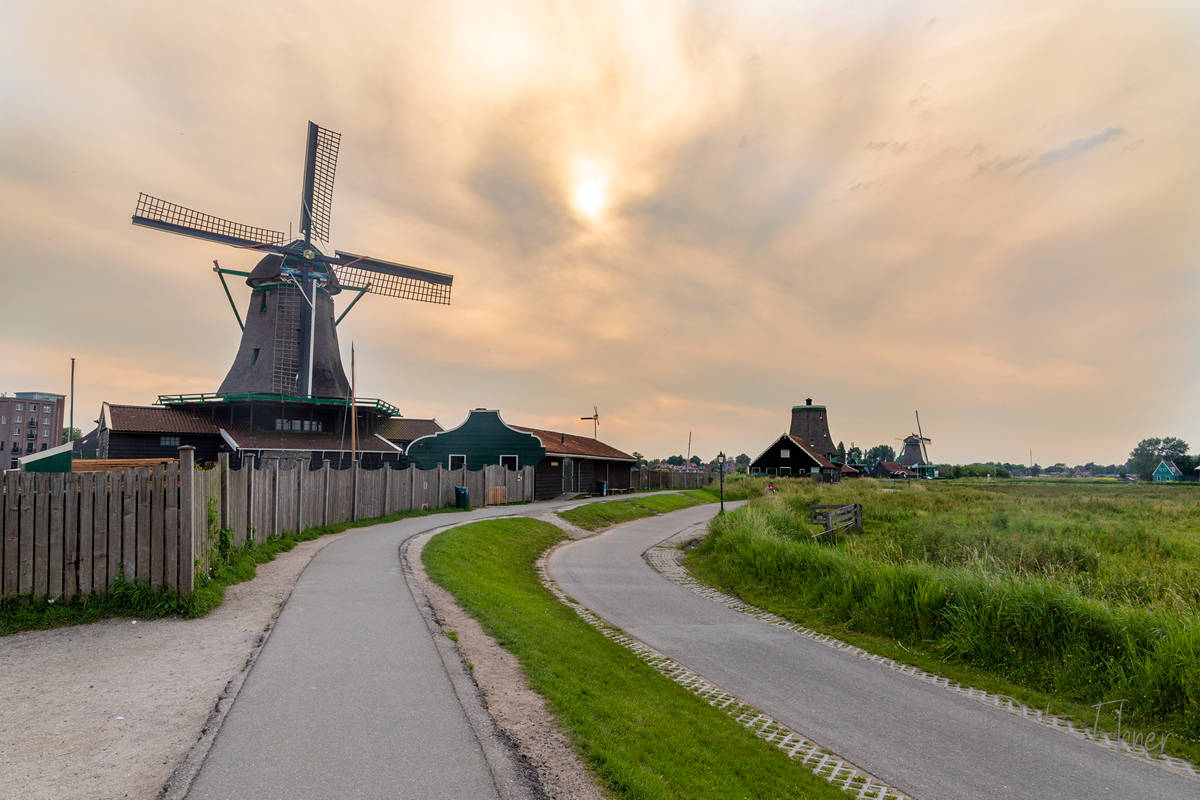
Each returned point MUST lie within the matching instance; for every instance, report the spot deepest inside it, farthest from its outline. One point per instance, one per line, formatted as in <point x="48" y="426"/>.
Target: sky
<point x="691" y="215"/>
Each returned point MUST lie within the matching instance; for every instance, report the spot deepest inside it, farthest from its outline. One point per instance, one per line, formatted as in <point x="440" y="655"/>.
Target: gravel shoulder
<point x="111" y="709"/>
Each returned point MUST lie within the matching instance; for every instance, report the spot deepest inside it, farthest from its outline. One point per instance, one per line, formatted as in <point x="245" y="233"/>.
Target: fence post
<point x="387" y="488"/>
<point x="325" y="492"/>
<point x="301" y="468"/>
<point x="248" y="465"/>
<point x="275" y="500"/>
<point x="353" y="490"/>
<point x="187" y="519"/>
<point x="223" y="467"/>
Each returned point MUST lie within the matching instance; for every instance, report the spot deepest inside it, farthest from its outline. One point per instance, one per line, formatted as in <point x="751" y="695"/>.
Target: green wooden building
<point x="482" y="440"/>
<point x="1167" y="471"/>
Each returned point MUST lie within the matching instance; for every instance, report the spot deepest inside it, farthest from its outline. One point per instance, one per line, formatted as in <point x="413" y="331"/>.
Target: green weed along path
<point x="603" y="514"/>
<point x="643" y="736"/>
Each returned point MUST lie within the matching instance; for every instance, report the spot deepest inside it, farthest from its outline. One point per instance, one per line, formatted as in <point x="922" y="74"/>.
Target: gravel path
<point x="111" y="709"/>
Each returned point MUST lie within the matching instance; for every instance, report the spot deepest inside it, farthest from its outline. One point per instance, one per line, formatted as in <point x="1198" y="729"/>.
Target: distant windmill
<point x="289" y="338"/>
<point x="595" y="418"/>
<point x="915" y="453"/>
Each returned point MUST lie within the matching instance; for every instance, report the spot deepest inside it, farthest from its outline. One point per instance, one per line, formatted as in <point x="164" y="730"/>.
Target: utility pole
<point x="71" y="423"/>
<point x="689" y="455"/>
<point x="353" y="412"/>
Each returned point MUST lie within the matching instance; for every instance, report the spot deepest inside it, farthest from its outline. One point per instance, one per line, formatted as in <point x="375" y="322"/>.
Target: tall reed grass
<point x="1029" y="588"/>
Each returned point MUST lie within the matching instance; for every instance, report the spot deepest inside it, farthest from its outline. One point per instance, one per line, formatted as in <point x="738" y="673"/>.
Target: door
<point x="568" y="475"/>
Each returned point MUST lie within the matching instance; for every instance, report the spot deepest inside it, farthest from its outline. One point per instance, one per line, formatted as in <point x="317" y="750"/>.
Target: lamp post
<point x="721" y="467"/>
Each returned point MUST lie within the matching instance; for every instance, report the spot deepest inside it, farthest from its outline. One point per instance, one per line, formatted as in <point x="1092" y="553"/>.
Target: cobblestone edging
<point x="839" y="773"/>
<point x="666" y="559"/>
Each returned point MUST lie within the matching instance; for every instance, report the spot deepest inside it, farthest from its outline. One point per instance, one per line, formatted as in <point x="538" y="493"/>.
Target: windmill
<point x="915" y="452"/>
<point x="595" y="418"/>
<point x="289" y="337"/>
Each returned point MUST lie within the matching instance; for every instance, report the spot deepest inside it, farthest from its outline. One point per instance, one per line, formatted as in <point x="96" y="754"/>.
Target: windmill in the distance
<point x="289" y="338"/>
<point x="915" y="455"/>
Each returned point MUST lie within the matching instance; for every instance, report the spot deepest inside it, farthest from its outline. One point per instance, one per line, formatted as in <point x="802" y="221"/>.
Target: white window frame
<point x="785" y="472"/>
<point x="168" y="441"/>
<point x="450" y="460"/>
<point x="516" y="460"/>
<point x="18" y="407"/>
<point x="45" y="433"/>
<point x="785" y="453"/>
<point x="17" y="419"/>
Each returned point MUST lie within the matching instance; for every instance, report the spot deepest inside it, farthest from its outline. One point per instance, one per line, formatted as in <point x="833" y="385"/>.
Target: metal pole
<point x="353" y="412"/>
<point x="71" y="424"/>
<point x="721" y="466"/>
<point x="312" y="329"/>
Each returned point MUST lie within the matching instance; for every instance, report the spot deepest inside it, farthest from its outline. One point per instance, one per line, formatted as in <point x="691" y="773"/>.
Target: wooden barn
<point x="892" y="469"/>
<point x="483" y="439"/>
<point x="795" y="457"/>
<point x="579" y="464"/>
<point x="403" y="431"/>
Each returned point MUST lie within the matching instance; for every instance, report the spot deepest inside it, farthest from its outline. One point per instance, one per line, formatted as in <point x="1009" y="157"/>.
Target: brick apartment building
<point x="29" y="423"/>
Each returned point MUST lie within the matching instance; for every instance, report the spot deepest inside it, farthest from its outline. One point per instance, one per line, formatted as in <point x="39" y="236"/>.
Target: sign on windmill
<point x="289" y="336"/>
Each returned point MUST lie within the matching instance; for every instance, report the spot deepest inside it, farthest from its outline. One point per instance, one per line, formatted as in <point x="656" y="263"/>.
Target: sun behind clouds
<point x="591" y="190"/>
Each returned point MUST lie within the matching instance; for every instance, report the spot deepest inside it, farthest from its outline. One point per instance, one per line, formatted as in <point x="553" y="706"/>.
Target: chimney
<point x="562" y="438"/>
<point x="808" y="401"/>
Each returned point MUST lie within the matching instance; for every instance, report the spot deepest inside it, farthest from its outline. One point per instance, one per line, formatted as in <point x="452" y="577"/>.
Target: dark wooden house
<point x="791" y="456"/>
<point x="262" y="425"/>
<point x="578" y="464"/>
<point x="403" y="431"/>
<point x="892" y="469"/>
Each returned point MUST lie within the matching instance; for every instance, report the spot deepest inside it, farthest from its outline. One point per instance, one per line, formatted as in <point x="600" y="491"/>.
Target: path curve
<point x="929" y="743"/>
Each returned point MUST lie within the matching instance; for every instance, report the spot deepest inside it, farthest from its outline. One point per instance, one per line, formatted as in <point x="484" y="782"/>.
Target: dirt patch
<point x="112" y="708"/>
<point x="518" y="711"/>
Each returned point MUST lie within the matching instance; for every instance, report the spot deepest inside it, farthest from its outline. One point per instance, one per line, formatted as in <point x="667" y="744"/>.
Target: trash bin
<point x="462" y="497"/>
<point x="604" y="488"/>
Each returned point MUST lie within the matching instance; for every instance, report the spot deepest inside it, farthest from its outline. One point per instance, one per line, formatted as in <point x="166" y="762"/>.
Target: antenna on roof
<point x="595" y="418"/>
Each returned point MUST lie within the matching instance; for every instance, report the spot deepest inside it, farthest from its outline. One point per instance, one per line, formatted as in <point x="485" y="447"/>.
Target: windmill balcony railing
<point x="169" y="400"/>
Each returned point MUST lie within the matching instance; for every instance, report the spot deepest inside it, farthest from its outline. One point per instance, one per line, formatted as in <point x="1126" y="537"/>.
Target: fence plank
<point x="70" y="535"/>
<point x="187" y="501"/>
<point x="171" y="527"/>
<point x="99" y="532"/>
<point x="86" y="482"/>
<point x="141" y="488"/>
<point x="25" y="561"/>
<point x="129" y="524"/>
<point x="157" y="544"/>
<point x="41" y="535"/>
<point x="12" y="532"/>
<point x="115" y="504"/>
<point x="56" y="547"/>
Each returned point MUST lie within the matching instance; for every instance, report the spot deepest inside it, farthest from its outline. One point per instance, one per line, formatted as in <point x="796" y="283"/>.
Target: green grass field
<point x="642" y="736"/>
<point x="604" y="513"/>
<point x="1059" y="593"/>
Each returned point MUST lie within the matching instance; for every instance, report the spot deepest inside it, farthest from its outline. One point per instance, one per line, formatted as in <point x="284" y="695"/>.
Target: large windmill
<point x="289" y="337"/>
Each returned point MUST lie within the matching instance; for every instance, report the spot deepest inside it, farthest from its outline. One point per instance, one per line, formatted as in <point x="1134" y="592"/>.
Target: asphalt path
<point x="349" y="697"/>
<point x="923" y="740"/>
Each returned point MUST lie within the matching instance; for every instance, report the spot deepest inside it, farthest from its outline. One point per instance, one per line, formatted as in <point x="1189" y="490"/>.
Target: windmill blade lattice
<point x="320" y="164"/>
<point x="394" y="280"/>
<point x="154" y="212"/>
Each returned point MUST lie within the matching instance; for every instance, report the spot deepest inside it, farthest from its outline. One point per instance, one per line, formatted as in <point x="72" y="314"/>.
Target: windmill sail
<point x="154" y="212"/>
<point x="394" y="280"/>
<point x="320" y="164"/>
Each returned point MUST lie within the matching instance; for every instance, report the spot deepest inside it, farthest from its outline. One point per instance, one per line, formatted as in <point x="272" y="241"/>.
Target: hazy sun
<point x="591" y="190"/>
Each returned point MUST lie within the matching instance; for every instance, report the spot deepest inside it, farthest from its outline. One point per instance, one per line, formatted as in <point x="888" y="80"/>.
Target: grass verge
<point x="642" y="736"/>
<point x="1023" y="635"/>
<point x="605" y="513"/>
<point x="230" y="565"/>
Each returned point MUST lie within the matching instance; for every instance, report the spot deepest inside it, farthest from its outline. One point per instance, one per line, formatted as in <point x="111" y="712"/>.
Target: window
<point x="457" y="461"/>
<point x="785" y="453"/>
<point x="262" y="309"/>
<point x="508" y="462"/>
<point x="13" y="464"/>
<point x="29" y="448"/>
<point x="43" y="445"/>
<point x="33" y="407"/>
<point x="254" y="356"/>
<point x="785" y="470"/>
<point x="45" y="433"/>
<point x="17" y="418"/>
<point x="772" y="471"/>
<point x="17" y="407"/>
<point x="45" y="420"/>
<point x="3" y="420"/>
<point x="168" y="441"/>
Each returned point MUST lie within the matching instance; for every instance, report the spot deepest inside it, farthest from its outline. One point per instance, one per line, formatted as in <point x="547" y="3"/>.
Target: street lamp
<point x="721" y="466"/>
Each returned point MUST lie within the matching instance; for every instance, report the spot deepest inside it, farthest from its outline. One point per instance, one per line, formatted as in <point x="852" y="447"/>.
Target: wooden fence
<point x="74" y="534"/>
<point x="646" y="479"/>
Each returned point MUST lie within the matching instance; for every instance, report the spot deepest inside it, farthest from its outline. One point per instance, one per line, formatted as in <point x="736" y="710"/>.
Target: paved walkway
<point x="349" y="697"/>
<point x="925" y="741"/>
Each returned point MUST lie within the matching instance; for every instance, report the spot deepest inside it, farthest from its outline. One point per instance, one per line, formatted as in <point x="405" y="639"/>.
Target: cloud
<point x="1073" y="149"/>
